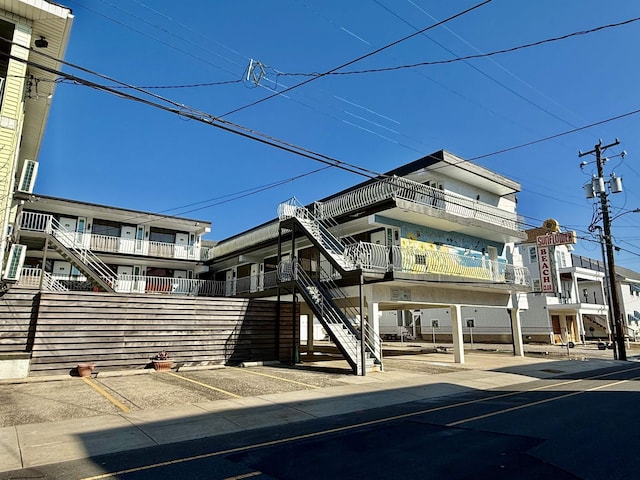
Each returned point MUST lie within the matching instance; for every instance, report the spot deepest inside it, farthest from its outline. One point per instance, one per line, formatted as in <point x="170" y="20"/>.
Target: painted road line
<point x="337" y="429"/>
<point x="105" y="394"/>
<point x="246" y="475"/>
<point x="203" y="385"/>
<point x="538" y="402"/>
<point x="277" y="378"/>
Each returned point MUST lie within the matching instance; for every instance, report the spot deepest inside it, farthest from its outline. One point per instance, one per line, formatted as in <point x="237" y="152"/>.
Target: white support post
<point x="374" y="318"/>
<point x="516" y="328"/>
<point x="456" y="332"/>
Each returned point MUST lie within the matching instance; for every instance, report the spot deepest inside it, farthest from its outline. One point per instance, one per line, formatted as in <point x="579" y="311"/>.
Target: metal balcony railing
<point x="371" y="194"/>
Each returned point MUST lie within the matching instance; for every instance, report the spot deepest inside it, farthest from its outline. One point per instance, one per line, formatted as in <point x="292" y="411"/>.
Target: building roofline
<point x="120" y="209"/>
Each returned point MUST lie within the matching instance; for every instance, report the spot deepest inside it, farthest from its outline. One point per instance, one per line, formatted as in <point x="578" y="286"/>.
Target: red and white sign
<point x="546" y="271"/>
<point x="556" y="238"/>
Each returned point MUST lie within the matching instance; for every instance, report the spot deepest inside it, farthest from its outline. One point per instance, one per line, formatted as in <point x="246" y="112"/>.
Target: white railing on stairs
<point x="292" y="208"/>
<point x="41" y="222"/>
<point x="340" y="323"/>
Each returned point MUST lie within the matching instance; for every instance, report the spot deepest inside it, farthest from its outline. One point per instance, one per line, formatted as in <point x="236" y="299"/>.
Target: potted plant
<point x="161" y="361"/>
<point x="85" y="369"/>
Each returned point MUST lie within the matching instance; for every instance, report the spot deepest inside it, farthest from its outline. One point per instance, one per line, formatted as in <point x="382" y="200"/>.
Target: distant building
<point x="577" y="311"/>
<point x="73" y="245"/>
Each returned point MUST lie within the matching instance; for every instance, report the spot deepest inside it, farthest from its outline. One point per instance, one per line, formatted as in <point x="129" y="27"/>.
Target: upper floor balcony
<point x="125" y="244"/>
<point x="404" y="200"/>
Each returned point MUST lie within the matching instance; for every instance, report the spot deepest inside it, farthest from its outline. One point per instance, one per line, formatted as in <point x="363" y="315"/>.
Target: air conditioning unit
<point x="28" y="176"/>
<point x="15" y="262"/>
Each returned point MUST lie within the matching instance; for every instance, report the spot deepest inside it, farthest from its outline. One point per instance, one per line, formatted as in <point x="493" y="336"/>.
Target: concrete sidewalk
<point x="32" y="445"/>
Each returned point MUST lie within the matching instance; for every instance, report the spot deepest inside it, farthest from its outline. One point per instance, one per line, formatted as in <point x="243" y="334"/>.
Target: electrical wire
<point x="208" y="119"/>
<point x="465" y="58"/>
<point x="362" y="57"/>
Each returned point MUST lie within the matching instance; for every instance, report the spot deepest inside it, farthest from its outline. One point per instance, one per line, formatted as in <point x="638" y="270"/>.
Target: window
<point x="162" y="235"/>
<point x="421" y="259"/>
<point x="106" y="228"/>
<point x="533" y="255"/>
<point x="536" y="285"/>
<point x="561" y="259"/>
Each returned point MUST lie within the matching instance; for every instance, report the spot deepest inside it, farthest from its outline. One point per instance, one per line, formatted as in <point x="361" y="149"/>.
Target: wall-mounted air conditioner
<point x="28" y="176"/>
<point x="15" y="262"/>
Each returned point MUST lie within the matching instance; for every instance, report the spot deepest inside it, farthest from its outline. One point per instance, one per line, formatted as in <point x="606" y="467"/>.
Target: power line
<point x="159" y="40"/>
<point x="362" y="57"/>
<point x="460" y="59"/>
<point x="185" y="111"/>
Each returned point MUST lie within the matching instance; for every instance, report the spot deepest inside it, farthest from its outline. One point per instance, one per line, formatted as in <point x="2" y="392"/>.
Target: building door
<point x="125" y="279"/>
<point x="230" y="287"/>
<point x="393" y="242"/>
<point x="81" y="226"/>
<point x="61" y="270"/>
<point x="67" y="232"/>
<point x="181" y="284"/>
<point x="182" y="245"/>
<point x="557" y="330"/>
<point x="127" y="239"/>
<point x="572" y="330"/>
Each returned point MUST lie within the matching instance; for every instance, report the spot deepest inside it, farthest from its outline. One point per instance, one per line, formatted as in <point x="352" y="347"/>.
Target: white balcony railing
<point x="399" y="187"/>
<point x="376" y="192"/>
<point x="39" y="222"/>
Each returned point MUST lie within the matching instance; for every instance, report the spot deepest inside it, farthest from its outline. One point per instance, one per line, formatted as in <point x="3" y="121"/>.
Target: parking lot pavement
<point x="61" y="398"/>
<point x="59" y="419"/>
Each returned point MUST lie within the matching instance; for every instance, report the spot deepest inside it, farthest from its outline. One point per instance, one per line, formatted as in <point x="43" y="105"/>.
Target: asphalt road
<point x="566" y="427"/>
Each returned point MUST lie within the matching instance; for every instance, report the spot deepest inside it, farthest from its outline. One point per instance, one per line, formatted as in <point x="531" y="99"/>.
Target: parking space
<point x="67" y="398"/>
<point x="36" y="400"/>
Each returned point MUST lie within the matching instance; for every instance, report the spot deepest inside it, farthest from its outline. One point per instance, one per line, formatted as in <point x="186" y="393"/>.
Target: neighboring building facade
<point x="435" y="232"/>
<point x="77" y="245"/>
<point x="25" y="92"/>
<point x="628" y="284"/>
<point x="578" y="311"/>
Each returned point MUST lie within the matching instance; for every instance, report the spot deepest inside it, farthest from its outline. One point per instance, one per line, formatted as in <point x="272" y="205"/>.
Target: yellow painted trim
<point x="105" y="394"/>
<point x="246" y="475"/>
<point x="277" y="378"/>
<point x="204" y="385"/>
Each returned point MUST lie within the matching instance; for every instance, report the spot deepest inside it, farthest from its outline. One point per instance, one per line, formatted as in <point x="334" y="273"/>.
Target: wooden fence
<point x="122" y="331"/>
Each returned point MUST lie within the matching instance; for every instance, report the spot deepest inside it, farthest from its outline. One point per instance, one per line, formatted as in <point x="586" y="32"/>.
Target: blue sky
<point x="104" y="149"/>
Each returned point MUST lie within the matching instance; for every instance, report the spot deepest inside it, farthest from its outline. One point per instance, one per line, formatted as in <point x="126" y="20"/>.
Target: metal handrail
<point x="292" y="271"/>
<point x="292" y="208"/>
<point x="372" y="339"/>
<point x="68" y="239"/>
<point x="33" y="221"/>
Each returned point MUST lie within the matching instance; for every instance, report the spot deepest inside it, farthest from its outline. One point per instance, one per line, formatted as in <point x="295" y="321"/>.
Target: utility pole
<point x="598" y="186"/>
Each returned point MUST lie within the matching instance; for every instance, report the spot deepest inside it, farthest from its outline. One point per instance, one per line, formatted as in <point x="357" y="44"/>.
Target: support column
<point x="456" y="333"/>
<point x="309" y="332"/>
<point x="374" y="317"/>
<point x="516" y="330"/>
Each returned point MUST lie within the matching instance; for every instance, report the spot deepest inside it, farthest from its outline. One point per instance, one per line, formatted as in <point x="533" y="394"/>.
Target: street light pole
<point x="619" y="332"/>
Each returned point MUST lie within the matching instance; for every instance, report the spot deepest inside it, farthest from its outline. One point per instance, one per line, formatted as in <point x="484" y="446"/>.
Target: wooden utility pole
<point x="619" y="332"/>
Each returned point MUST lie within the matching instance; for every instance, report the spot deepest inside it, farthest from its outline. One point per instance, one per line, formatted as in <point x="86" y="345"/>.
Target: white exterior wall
<point x="630" y="303"/>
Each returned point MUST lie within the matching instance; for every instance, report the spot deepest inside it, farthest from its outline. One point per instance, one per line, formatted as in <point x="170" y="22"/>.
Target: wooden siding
<point x="18" y="309"/>
<point x="125" y="331"/>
